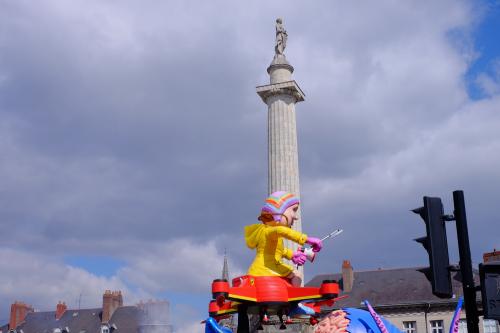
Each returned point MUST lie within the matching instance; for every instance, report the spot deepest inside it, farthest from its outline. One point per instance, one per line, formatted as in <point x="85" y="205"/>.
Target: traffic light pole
<point x="466" y="263"/>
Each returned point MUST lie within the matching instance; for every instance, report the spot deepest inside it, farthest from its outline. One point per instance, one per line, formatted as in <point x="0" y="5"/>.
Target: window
<point x="437" y="326"/>
<point x="462" y="326"/>
<point x="490" y="326"/>
<point x="410" y="326"/>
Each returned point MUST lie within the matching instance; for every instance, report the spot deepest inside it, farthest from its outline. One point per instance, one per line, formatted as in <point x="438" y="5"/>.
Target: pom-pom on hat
<point x="277" y="203"/>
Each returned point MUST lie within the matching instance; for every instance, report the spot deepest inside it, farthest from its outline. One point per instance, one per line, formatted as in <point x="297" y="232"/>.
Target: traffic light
<point x="436" y="245"/>
<point x="490" y="289"/>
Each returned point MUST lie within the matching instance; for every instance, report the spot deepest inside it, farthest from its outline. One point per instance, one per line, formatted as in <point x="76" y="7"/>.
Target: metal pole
<point x="243" y="322"/>
<point x="466" y="263"/>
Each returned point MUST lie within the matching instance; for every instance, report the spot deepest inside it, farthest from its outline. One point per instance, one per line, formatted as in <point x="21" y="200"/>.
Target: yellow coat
<point x="268" y="242"/>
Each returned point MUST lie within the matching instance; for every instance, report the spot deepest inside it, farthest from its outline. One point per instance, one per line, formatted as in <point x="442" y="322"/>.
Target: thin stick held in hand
<point x="333" y="234"/>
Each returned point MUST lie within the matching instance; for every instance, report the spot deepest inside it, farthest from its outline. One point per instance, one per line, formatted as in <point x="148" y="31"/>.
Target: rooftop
<point x="125" y="319"/>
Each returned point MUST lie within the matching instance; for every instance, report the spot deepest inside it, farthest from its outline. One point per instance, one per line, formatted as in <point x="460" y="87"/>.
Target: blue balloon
<point x="211" y="326"/>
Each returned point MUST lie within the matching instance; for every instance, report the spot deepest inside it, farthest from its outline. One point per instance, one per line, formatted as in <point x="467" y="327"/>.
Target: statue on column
<point x="281" y="37"/>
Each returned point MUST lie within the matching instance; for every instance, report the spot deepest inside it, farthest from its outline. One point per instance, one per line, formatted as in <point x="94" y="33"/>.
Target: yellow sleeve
<point x="288" y="253"/>
<point x="290" y="234"/>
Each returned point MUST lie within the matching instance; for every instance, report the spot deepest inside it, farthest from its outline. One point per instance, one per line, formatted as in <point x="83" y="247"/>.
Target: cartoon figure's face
<point x="290" y="216"/>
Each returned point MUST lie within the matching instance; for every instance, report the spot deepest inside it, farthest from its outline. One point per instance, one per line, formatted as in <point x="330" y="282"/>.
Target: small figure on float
<point x="277" y="216"/>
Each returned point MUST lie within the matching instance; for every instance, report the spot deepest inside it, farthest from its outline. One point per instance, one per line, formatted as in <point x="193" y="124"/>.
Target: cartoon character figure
<point x="277" y="216"/>
<point x="352" y="320"/>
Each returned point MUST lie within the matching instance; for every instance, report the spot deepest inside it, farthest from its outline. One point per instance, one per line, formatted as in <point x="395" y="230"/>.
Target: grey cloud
<point x="127" y="126"/>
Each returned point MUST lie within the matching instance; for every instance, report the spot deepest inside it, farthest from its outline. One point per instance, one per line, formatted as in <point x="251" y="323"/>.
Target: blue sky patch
<point x="487" y="44"/>
<point x="98" y="265"/>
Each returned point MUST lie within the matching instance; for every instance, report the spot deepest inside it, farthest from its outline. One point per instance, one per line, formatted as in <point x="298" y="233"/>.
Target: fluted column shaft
<point x="283" y="166"/>
<point x="282" y="140"/>
<point x="283" y="160"/>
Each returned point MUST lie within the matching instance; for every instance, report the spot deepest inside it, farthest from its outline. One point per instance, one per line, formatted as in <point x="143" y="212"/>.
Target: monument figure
<point x="281" y="37"/>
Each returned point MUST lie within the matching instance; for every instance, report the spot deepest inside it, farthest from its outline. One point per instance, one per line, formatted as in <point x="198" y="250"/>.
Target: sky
<point x="133" y="143"/>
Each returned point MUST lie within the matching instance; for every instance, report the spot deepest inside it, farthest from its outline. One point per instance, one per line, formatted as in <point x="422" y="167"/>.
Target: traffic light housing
<point x="436" y="245"/>
<point x="489" y="275"/>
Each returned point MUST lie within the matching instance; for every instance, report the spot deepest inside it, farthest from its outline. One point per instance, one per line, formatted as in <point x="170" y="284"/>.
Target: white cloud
<point x="455" y="150"/>
<point x="190" y="327"/>
<point x="458" y="154"/>
<point x="187" y="319"/>
<point x="43" y="281"/>
<point x="181" y="265"/>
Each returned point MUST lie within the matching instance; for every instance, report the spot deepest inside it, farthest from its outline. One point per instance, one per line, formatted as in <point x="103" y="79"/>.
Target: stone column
<point x="280" y="96"/>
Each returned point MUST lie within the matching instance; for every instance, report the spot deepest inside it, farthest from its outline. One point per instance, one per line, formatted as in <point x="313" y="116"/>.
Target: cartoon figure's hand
<point x="299" y="258"/>
<point x="315" y="243"/>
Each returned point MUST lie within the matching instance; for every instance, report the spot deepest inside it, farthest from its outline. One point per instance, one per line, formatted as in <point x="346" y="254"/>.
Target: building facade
<point x="404" y="297"/>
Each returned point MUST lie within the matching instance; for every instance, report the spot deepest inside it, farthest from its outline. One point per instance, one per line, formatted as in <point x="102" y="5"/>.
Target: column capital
<point x="279" y="61"/>
<point x="290" y="88"/>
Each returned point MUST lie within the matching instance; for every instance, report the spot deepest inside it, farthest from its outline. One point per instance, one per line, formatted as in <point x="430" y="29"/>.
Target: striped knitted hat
<point x="278" y="202"/>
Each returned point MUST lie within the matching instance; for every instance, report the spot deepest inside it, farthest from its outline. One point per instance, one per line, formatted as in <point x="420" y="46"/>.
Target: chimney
<point x="491" y="256"/>
<point x="117" y="299"/>
<point x="347" y="276"/>
<point x="111" y="300"/>
<point x="60" y="309"/>
<point x="18" y="312"/>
